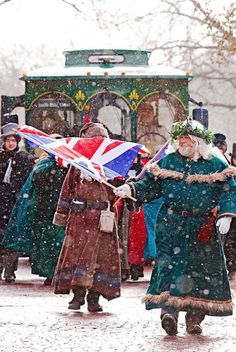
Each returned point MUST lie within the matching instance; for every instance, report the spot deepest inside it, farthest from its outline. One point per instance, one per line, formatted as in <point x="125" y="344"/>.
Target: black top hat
<point x="201" y="115"/>
<point x="219" y="137"/>
<point x="9" y="130"/>
<point x="233" y="150"/>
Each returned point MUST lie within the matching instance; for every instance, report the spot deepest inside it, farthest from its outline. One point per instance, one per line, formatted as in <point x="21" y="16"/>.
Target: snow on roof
<point x="82" y="71"/>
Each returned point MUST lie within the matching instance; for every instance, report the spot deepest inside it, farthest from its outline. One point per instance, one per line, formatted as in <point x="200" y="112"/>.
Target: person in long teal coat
<point x="30" y="228"/>
<point x="190" y="272"/>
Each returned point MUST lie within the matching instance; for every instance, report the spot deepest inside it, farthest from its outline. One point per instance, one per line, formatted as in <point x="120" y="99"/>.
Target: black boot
<point x="140" y="271"/>
<point x="78" y="299"/>
<point x="134" y="272"/>
<point x="47" y="281"/>
<point x="10" y="278"/>
<point x="92" y="299"/>
<point x="124" y="275"/>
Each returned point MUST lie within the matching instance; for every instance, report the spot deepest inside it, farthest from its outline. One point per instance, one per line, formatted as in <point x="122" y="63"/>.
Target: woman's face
<point x="187" y="146"/>
<point x="10" y="143"/>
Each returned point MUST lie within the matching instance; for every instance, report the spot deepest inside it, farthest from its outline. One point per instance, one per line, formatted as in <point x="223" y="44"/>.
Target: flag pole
<point x="69" y="161"/>
<point x="113" y="187"/>
<point x="141" y="174"/>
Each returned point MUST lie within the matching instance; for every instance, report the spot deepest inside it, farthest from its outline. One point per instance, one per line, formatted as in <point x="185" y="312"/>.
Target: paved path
<point x="33" y="319"/>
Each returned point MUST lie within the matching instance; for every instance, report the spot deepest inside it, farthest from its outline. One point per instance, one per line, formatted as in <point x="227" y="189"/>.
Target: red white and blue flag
<point x="158" y="156"/>
<point x="102" y="158"/>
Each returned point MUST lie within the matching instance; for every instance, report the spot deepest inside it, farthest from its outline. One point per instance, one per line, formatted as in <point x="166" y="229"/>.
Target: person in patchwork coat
<point x="89" y="263"/>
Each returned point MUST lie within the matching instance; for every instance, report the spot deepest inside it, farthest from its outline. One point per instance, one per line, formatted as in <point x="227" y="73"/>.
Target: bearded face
<point x="187" y="146"/>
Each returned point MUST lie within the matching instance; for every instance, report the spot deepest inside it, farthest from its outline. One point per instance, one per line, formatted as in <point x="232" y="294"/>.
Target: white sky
<point x="55" y="24"/>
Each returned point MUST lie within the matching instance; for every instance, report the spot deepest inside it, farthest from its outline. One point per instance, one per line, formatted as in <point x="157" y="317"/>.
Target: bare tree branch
<point x="4" y="2"/>
<point x="73" y="5"/>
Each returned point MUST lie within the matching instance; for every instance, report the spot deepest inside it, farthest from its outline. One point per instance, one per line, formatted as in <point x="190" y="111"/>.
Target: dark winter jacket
<point x="19" y="164"/>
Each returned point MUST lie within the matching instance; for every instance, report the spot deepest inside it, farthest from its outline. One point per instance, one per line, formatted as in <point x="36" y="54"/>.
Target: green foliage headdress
<point x="190" y="127"/>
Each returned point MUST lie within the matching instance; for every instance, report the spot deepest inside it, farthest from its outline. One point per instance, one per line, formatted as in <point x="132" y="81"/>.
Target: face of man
<point x="187" y="146"/>
<point x="10" y="143"/>
<point x="222" y="146"/>
<point x="233" y="161"/>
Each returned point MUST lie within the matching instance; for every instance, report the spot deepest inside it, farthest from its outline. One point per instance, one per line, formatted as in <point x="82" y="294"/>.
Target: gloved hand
<point x="85" y="176"/>
<point x="123" y="191"/>
<point x="224" y="224"/>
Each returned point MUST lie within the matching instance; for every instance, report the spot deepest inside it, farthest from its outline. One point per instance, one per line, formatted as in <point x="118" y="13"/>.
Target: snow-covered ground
<point x="34" y="319"/>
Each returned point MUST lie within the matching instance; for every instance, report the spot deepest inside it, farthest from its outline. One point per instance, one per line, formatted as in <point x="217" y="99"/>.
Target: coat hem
<point x="211" y="307"/>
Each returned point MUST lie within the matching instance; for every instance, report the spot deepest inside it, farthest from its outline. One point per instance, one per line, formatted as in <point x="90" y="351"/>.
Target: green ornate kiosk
<point x="135" y="100"/>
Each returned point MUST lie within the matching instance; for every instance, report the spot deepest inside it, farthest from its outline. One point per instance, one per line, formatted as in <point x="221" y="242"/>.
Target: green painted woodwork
<point x="133" y="90"/>
<point x="130" y="57"/>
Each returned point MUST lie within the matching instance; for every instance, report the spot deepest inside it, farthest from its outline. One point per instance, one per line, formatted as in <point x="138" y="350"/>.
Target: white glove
<point x="224" y="224"/>
<point x="123" y="191"/>
<point x="85" y="176"/>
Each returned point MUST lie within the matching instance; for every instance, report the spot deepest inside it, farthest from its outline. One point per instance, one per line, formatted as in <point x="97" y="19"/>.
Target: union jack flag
<point x="102" y="158"/>
<point x="158" y="156"/>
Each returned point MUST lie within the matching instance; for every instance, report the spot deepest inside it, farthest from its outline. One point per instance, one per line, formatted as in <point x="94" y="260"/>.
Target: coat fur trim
<point x="199" y="178"/>
<point x="188" y="301"/>
<point x="164" y="173"/>
<point x="211" y="178"/>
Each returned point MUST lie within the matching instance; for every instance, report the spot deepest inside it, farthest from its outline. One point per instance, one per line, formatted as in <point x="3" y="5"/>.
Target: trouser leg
<point x="170" y="310"/>
<point x="11" y="263"/>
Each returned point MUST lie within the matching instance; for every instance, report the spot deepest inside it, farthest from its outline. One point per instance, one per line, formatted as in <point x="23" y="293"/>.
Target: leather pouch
<point x="107" y="220"/>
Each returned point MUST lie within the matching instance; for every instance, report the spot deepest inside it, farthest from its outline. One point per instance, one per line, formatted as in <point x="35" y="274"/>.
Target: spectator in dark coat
<point x="15" y="166"/>
<point x="221" y="143"/>
<point x="230" y="238"/>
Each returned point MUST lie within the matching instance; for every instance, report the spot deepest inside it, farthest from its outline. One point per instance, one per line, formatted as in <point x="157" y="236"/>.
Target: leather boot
<point x="47" y="281"/>
<point x="78" y="299"/>
<point x="134" y="272"/>
<point x="169" y="324"/>
<point x="193" y="321"/>
<point x="92" y="300"/>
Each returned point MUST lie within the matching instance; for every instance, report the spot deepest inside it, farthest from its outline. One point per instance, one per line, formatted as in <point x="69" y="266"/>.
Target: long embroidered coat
<point x="89" y="257"/>
<point x="187" y="273"/>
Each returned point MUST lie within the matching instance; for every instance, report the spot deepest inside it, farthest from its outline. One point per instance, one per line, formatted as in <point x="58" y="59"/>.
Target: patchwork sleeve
<point x="65" y="198"/>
